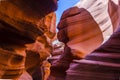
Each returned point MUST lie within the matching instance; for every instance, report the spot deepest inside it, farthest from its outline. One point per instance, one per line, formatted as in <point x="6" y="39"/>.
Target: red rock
<point x="42" y="48"/>
<point x="103" y="63"/>
<point x="11" y="64"/>
<point x="18" y="27"/>
<point x="23" y="21"/>
<point x="84" y="28"/>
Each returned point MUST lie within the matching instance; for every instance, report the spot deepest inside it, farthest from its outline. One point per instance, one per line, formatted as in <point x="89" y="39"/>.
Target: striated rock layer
<point x="42" y="48"/>
<point x="103" y="63"/>
<point x="83" y="28"/>
<point x="86" y="23"/>
<point x="21" y="23"/>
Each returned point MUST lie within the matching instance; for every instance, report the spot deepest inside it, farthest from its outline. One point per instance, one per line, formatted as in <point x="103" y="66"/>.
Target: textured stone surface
<point x="42" y="48"/>
<point x="82" y="25"/>
<point x="36" y="8"/>
<point x="83" y="28"/>
<point x="103" y="63"/>
<point x="78" y="31"/>
<point x="21" y="23"/>
<point x="12" y="62"/>
<point x="15" y="64"/>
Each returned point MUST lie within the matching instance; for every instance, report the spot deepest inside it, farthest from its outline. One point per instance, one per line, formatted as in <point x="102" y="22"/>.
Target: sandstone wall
<point x="103" y="63"/>
<point x="19" y="25"/>
<point x="83" y="28"/>
<point x="87" y="25"/>
<point x="43" y="44"/>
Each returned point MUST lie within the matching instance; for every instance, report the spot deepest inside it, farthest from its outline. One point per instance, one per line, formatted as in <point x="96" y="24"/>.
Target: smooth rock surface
<point x="21" y="23"/>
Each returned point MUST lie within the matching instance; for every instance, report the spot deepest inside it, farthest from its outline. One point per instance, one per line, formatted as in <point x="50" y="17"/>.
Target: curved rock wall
<point x="83" y="28"/>
<point x="103" y="63"/>
<point x="87" y="25"/>
<point x="20" y="25"/>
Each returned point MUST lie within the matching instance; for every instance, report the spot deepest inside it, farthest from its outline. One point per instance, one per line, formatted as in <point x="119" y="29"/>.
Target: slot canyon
<point x="84" y="45"/>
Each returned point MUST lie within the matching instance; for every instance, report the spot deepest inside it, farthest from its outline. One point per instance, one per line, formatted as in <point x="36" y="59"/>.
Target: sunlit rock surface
<point x="83" y="28"/>
<point x="103" y="63"/>
<point x="42" y="48"/>
<point x="21" y="23"/>
<point x="86" y="23"/>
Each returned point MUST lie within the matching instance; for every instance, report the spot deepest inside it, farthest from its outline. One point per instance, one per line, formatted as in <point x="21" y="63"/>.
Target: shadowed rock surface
<point x="84" y="28"/>
<point x="103" y="63"/>
<point x="27" y="30"/>
<point x="21" y="23"/>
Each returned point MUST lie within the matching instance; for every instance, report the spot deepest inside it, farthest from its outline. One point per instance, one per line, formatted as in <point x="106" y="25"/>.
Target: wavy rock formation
<point x="20" y="25"/>
<point x="18" y="18"/>
<point x="103" y="63"/>
<point x="84" y="28"/>
<point x="42" y="48"/>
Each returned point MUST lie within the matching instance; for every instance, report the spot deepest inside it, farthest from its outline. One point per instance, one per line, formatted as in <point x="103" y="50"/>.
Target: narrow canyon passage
<point x="59" y="40"/>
